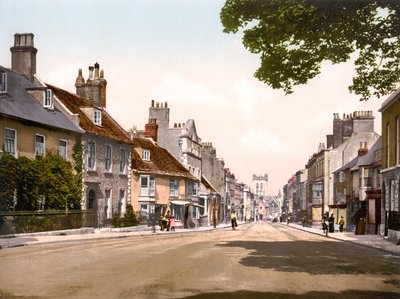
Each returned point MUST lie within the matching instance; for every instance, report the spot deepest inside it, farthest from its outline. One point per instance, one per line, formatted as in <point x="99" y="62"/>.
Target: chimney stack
<point x="151" y="129"/>
<point x="95" y="87"/>
<point x="23" y="55"/>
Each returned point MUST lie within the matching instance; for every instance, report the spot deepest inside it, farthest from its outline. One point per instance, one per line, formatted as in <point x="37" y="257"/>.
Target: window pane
<point x="152" y="188"/>
<point x="62" y="148"/>
<point x="144" y="186"/>
<point x="39" y="145"/>
<point x="91" y="155"/>
<point x="10" y="141"/>
<point x="174" y="186"/>
<point x="122" y="160"/>
<point x="107" y="157"/>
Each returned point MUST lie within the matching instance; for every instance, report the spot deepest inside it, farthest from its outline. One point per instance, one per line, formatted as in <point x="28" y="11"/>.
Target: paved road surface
<point x="256" y="261"/>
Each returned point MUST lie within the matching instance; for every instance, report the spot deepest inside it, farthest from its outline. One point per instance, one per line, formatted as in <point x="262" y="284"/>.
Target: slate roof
<point x="109" y="127"/>
<point x="364" y="160"/>
<point x="348" y="165"/>
<point x="18" y="103"/>
<point x="390" y="100"/>
<point x="161" y="161"/>
<point x="368" y="158"/>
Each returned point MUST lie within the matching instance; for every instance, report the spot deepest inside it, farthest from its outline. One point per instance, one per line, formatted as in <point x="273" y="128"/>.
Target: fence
<point x="29" y="222"/>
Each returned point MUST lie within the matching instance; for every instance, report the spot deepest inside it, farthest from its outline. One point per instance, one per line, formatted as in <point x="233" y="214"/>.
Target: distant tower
<point x="260" y="184"/>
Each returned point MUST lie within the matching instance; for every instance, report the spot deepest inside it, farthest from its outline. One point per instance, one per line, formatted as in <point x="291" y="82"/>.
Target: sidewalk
<point x="373" y="241"/>
<point x="90" y="234"/>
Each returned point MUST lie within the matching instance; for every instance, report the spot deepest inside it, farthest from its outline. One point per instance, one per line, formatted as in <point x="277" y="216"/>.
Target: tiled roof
<point x="18" y="103"/>
<point x="161" y="161"/>
<point x="109" y="127"/>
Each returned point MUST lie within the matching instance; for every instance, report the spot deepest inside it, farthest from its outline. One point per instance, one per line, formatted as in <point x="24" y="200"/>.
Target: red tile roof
<point x="161" y="161"/>
<point x="109" y="127"/>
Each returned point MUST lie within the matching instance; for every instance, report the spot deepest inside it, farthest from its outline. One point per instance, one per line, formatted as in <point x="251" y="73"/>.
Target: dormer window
<point x="48" y="98"/>
<point x="145" y="155"/>
<point x="3" y="82"/>
<point x="97" y="117"/>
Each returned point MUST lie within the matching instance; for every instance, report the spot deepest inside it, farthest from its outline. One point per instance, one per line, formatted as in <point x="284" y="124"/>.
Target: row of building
<point x="355" y="175"/>
<point x="157" y="169"/>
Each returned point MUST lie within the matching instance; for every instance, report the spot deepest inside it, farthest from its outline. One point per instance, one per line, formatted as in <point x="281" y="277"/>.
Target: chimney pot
<point x="96" y="70"/>
<point x="90" y="73"/>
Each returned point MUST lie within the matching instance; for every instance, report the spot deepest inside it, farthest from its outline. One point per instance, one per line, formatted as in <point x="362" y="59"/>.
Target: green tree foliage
<point x="51" y="178"/>
<point x="293" y="38"/>
<point x="8" y="182"/>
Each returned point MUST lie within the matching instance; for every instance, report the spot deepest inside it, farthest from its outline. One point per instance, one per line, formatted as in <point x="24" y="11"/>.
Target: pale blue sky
<point x="175" y="51"/>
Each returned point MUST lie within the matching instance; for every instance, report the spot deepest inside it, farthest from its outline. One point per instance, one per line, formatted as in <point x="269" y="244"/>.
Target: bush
<point x="116" y="220"/>
<point x="130" y="218"/>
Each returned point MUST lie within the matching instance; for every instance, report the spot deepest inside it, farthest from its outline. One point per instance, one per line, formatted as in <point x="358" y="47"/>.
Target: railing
<point x="29" y="222"/>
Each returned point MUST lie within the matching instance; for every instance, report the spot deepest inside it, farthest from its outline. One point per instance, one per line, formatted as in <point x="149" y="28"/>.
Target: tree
<point x="8" y="182"/>
<point x="293" y="38"/>
<point x="50" y="182"/>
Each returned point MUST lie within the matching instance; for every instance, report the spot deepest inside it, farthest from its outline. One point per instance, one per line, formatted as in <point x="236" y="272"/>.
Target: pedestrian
<point x="360" y="227"/>
<point x="324" y="227"/>
<point x="233" y="220"/>
<point x="341" y="224"/>
<point x="172" y="223"/>
<point x="166" y="220"/>
<point x="160" y="222"/>
<point x="288" y="220"/>
<point x="303" y="220"/>
<point x="331" y="221"/>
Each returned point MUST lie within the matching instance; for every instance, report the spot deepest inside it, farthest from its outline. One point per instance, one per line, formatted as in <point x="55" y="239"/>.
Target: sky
<point x="175" y="51"/>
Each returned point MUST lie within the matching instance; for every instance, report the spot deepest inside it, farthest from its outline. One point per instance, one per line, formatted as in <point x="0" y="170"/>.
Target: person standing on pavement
<point x="331" y="221"/>
<point x="233" y="220"/>
<point x="324" y="226"/>
<point x="172" y="223"/>
<point x="341" y="224"/>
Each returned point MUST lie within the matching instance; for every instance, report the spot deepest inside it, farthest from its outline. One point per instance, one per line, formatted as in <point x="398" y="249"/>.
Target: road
<point x="256" y="261"/>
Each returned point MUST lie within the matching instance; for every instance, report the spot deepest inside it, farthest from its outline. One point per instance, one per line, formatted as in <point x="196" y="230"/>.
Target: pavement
<point x="91" y="234"/>
<point x="372" y="241"/>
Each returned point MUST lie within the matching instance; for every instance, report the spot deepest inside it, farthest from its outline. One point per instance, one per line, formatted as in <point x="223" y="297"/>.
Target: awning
<point x="180" y="202"/>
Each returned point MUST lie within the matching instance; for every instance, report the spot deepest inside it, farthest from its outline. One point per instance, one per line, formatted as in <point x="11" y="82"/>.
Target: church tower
<point x="260" y="185"/>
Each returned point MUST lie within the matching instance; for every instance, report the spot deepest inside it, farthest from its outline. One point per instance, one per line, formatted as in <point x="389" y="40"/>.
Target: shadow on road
<point x="315" y="257"/>
<point x="309" y="295"/>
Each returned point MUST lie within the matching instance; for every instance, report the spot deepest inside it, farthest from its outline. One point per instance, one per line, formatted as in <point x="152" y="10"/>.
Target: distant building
<point x="182" y="140"/>
<point x="161" y="183"/>
<point x="343" y="146"/>
<point x="31" y="119"/>
<point x="32" y="123"/>
<point x="260" y="184"/>
<point x="106" y="147"/>
<point x="357" y="189"/>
